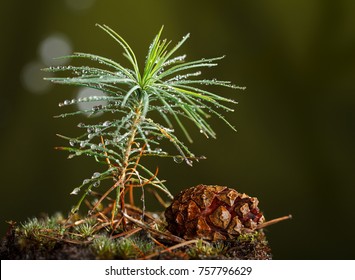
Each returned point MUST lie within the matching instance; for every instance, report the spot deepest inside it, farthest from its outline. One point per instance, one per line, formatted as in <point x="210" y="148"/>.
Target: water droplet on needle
<point x="178" y="159"/>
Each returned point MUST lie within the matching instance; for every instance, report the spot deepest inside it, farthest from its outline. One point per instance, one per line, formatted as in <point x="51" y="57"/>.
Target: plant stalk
<point x="120" y="190"/>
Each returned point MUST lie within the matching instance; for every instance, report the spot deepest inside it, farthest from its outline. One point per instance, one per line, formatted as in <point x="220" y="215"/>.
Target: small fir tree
<point x="168" y="86"/>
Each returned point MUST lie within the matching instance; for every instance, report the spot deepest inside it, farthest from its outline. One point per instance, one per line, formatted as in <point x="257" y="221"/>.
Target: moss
<point x="85" y="229"/>
<point x="104" y="247"/>
<point x="39" y="233"/>
<point x="54" y="238"/>
<point x="249" y="237"/>
<point x="206" y="250"/>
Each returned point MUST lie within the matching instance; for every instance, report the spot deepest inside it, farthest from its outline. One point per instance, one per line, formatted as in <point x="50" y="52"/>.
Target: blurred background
<point x="294" y="148"/>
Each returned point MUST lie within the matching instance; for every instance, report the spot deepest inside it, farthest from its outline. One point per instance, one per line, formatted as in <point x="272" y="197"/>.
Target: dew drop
<point x="86" y="181"/>
<point x="96" y="184"/>
<point x="75" y="191"/>
<point x="158" y="150"/>
<point x="178" y="159"/>
<point x="82" y="144"/>
<point x="95" y="175"/>
<point x="106" y="123"/>
<point x="72" y="143"/>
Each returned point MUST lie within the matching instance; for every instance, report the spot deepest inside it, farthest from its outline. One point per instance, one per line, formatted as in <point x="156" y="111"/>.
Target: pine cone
<point x="213" y="213"/>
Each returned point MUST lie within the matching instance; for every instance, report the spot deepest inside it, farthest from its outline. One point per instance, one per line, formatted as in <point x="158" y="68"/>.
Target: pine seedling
<point x="167" y="85"/>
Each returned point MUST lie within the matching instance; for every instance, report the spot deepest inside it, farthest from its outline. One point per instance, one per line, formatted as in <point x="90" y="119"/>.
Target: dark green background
<point x="294" y="148"/>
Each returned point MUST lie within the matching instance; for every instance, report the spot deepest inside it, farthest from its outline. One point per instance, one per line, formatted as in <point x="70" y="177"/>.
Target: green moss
<point x="104" y="247"/>
<point x="144" y="245"/>
<point x="86" y="229"/>
<point x="40" y="233"/>
<point x="203" y="249"/>
<point x="249" y="237"/>
<point x="125" y="248"/>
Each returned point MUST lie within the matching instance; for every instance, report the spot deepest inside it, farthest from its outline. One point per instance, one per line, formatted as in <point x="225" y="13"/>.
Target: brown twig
<point x="274" y="221"/>
<point x="154" y="231"/>
<point x="126" y="234"/>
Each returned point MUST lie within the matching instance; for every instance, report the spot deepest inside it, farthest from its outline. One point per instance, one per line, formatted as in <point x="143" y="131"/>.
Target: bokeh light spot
<point x="32" y="77"/>
<point x="54" y="46"/>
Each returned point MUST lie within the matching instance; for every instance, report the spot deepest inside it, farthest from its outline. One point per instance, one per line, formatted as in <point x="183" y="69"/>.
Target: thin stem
<point x="120" y="191"/>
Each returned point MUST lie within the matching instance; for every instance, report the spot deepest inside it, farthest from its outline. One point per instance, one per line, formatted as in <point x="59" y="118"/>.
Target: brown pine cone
<point x="212" y="213"/>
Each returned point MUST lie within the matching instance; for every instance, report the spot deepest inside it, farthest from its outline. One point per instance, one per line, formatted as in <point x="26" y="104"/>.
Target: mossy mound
<point x="86" y="239"/>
